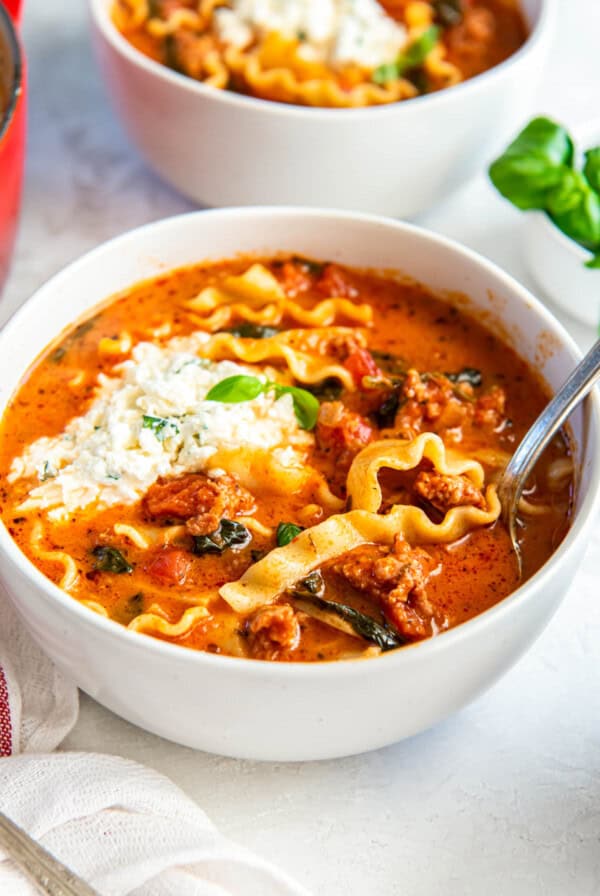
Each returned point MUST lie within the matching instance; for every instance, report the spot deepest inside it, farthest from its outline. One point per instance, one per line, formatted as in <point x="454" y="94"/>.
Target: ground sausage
<point x="445" y="491"/>
<point x="273" y="632"/>
<point x="396" y="579"/>
<point x="335" y="282"/>
<point x="197" y="500"/>
<point x="489" y="409"/>
<point x="430" y="403"/>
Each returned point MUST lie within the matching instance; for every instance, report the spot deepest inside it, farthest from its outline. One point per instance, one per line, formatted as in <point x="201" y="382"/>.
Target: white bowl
<point x="558" y="263"/>
<point x="220" y="148"/>
<point x="262" y="710"/>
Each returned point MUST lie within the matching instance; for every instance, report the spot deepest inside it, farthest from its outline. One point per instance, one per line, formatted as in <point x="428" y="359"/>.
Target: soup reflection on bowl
<point x="382" y="107"/>
<point x="271" y="471"/>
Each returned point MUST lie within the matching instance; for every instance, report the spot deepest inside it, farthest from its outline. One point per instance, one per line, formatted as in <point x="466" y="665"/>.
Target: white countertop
<point x="504" y="798"/>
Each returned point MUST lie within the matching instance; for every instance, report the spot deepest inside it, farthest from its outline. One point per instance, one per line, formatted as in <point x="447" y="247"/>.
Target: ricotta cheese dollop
<point x="148" y="420"/>
<point x="333" y="31"/>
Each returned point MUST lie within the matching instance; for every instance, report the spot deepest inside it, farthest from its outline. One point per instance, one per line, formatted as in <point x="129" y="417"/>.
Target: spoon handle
<point x="47" y="874"/>
<point x="550" y="421"/>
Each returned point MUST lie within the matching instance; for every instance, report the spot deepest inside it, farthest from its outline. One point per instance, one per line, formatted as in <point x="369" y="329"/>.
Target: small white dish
<point x="556" y="262"/>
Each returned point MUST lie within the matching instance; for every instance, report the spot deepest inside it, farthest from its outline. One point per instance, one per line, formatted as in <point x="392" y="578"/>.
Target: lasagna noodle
<point x="287" y="347"/>
<point x="70" y="574"/>
<point x="263" y="582"/>
<point x="152" y="623"/>
<point x="257" y="297"/>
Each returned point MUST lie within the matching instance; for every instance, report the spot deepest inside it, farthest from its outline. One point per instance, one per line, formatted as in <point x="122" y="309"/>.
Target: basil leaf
<point x="413" y="56"/>
<point x="252" y="331"/>
<point x="110" y="560"/>
<point x="286" y="532"/>
<point x="534" y="163"/>
<point x="594" y="262"/>
<point x="591" y="168"/>
<point x="230" y="534"/>
<point x="306" y="406"/>
<point x="235" y="389"/>
<point x="575" y="209"/>
<point x="162" y="427"/>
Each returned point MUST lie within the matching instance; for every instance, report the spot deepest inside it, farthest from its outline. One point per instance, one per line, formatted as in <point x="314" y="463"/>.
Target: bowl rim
<point x="100" y="12"/>
<point x="16" y="57"/>
<point x="531" y="589"/>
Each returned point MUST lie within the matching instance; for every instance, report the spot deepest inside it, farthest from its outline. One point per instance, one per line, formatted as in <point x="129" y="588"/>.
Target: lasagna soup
<point x="337" y="53"/>
<point x="281" y="459"/>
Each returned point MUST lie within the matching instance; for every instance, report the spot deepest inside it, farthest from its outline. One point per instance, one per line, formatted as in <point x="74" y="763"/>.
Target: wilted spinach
<point x="230" y="534"/>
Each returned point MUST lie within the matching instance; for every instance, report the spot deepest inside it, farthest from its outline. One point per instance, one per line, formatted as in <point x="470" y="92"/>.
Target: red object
<point x="170" y="566"/>
<point x="361" y="363"/>
<point x="12" y="131"/>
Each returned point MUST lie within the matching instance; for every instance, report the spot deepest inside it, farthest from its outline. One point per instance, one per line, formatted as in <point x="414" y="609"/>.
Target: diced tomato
<point x="295" y="278"/>
<point x="361" y="363"/>
<point x="170" y="566"/>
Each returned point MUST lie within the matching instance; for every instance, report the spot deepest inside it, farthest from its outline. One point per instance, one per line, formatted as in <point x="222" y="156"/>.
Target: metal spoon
<point x="512" y="482"/>
<point x="47" y="874"/>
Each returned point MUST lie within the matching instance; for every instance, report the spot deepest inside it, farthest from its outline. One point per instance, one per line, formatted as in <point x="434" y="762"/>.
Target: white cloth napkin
<point x="122" y="827"/>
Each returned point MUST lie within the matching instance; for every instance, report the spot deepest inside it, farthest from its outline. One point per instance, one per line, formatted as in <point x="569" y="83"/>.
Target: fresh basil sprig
<point x="411" y="57"/>
<point x="235" y="389"/>
<point x="537" y="171"/>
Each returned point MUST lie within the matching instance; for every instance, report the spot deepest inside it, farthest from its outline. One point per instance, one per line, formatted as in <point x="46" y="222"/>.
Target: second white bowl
<point x="220" y="148"/>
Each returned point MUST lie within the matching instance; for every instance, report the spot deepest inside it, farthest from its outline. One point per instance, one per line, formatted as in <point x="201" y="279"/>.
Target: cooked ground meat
<point x="335" y="282"/>
<point x="396" y="579"/>
<point x="489" y="409"/>
<point x="445" y="491"/>
<point x="273" y="632"/>
<point x="341" y="430"/>
<point x="429" y="404"/>
<point x="340" y="435"/>
<point x="294" y="278"/>
<point x="198" y="501"/>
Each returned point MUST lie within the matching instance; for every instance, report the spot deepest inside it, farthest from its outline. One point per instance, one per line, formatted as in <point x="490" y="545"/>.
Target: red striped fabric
<point x="6" y="739"/>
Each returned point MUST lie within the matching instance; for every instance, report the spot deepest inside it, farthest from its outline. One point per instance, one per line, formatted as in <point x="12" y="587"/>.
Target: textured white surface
<point x="505" y="797"/>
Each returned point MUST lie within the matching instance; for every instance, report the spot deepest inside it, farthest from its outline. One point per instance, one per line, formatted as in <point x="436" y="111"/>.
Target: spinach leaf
<point x="328" y="389"/>
<point x="411" y="57"/>
<point x="389" y="363"/>
<point x="162" y="427"/>
<point x="387" y="410"/>
<point x="591" y="168"/>
<point x="109" y="559"/>
<point x="469" y="375"/>
<point x="286" y="532"/>
<point x="252" y="331"/>
<point x="235" y="389"/>
<point x="311" y="267"/>
<point x="575" y="209"/>
<point x="384" y="636"/>
<point x="534" y="163"/>
<point x="313" y="584"/>
<point x="230" y="534"/>
<point x="448" y="12"/>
